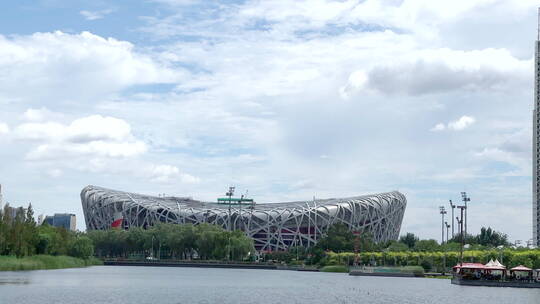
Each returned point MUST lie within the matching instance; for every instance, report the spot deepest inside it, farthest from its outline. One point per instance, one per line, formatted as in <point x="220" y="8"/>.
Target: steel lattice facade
<point x="273" y="226"/>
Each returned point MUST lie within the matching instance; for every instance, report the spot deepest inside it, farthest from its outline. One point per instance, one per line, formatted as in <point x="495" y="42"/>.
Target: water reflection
<point x="13" y="280"/>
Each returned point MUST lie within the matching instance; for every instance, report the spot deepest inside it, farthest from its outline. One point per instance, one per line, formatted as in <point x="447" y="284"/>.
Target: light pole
<point x="465" y="200"/>
<point x="442" y="212"/>
<point x="230" y="193"/>
<point x="453" y="207"/>
<point x="447" y="230"/>
<point x="460" y="221"/>
<point x="152" y="247"/>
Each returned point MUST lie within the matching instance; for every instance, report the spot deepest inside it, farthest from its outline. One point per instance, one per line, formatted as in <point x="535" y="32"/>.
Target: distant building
<point x="7" y="209"/>
<point x="66" y="220"/>
<point x="40" y="219"/>
<point x="13" y="211"/>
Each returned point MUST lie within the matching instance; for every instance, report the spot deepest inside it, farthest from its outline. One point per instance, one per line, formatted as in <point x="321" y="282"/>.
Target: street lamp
<point x="465" y="199"/>
<point x="453" y="207"/>
<point x="442" y="212"/>
<point x="230" y="194"/>
<point x="460" y="222"/>
<point x="447" y="230"/>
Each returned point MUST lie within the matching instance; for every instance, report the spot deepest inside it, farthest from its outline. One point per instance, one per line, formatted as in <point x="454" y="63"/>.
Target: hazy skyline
<point x="289" y="99"/>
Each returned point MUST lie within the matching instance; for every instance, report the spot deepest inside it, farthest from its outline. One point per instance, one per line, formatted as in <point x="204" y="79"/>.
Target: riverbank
<point x="188" y="264"/>
<point x="36" y="262"/>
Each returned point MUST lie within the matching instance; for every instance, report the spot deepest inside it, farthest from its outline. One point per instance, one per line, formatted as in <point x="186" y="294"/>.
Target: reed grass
<point x="35" y="262"/>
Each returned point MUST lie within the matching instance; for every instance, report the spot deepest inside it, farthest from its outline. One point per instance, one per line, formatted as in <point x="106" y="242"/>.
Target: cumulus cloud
<point x="41" y="114"/>
<point x="513" y="148"/>
<point x="64" y="66"/>
<point x="95" y="15"/>
<point x="168" y="173"/>
<point x="462" y="123"/>
<point x="4" y="128"/>
<point x="91" y="135"/>
<point x="458" y="125"/>
<point x="444" y="70"/>
<point x="438" y="127"/>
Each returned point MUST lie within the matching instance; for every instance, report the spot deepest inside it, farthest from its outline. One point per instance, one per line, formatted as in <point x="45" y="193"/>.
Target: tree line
<point x="340" y="242"/>
<point x="21" y="236"/>
<point x="173" y="241"/>
<point x="436" y="260"/>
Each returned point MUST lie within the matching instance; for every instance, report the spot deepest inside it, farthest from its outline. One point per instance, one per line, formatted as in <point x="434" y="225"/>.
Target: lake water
<point x="138" y="285"/>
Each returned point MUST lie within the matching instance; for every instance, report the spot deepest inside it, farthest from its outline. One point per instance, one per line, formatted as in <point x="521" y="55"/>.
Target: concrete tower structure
<point x="536" y="142"/>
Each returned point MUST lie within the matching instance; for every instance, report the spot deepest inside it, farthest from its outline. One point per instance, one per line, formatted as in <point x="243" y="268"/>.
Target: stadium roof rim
<point x="196" y="203"/>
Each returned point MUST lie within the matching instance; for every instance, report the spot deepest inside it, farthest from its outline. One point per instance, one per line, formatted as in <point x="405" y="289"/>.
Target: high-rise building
<point x="536" y="143"/>
<point x="66" y="220"/>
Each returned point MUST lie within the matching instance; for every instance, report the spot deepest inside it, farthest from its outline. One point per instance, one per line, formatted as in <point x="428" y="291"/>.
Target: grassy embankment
<point x="11" y="263"/>
<point x="335" y="268"/>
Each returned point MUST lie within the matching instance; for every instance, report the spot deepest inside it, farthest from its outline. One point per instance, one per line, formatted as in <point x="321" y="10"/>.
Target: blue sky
<point x="289" y="99"/>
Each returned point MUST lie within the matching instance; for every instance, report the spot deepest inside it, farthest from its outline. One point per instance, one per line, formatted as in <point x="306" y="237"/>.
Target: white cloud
<point x="37" y="115"/>
<point x="61" y="66"/>
<point x="443" y="70"/>
<point x="92" y="135"/>
<point x="168" y="173"/>
<point x="94" y="15"/>
<point x="4" y="128"/>
<point x="438" y="127"/>
<point x="461" y="124"/>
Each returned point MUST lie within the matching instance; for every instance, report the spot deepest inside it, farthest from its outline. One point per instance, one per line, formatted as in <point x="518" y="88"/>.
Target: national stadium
<point x="272" y="226"/>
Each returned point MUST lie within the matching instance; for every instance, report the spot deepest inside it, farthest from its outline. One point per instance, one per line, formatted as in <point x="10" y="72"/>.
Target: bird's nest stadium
<point x="273" y="226"/>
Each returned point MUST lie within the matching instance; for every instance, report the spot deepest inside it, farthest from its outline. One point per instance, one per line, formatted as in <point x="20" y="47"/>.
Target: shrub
<point x="426" y="265"/>
<point x="335" y="268"/>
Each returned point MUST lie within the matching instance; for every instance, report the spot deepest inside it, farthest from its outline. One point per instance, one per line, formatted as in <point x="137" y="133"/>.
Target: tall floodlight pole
<point x="230" y="194"/>
<point x="465" y="200"/>
<point x="442" y="212"/>
<point x="462" y="237"/>
<point x="453" y="207"/>
<point x="447" y="231"/>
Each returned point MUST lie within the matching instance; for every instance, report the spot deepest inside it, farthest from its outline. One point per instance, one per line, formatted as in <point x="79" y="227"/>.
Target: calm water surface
<point x="138" y="285"/>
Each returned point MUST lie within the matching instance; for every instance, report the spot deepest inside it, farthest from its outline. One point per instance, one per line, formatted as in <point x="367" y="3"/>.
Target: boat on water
<point x="494" y="274"/>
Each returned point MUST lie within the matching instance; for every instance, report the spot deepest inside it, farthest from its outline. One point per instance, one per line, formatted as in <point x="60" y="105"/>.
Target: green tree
<point x="398" y="247"/>
<point x="491" y="238"/>
<point x="338" y="238"/>
<point x="409" y="239"/>
<point x="426" y="246"/>
<point x="81" y="247"/>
